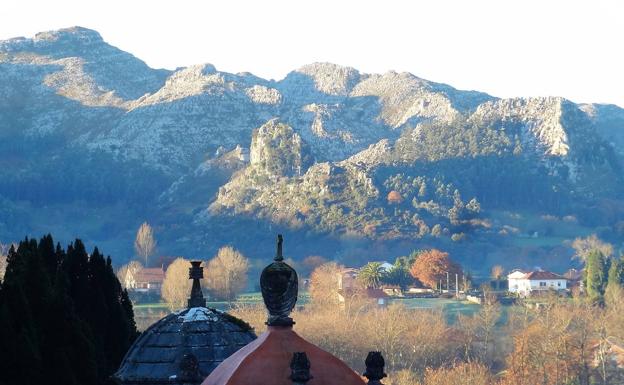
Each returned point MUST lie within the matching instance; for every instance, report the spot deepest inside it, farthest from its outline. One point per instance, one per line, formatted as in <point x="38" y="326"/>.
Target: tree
<point x="227" y="274"/>
<point x="310" y="263"/>
<point x="371" y="275"/>
<point x="176" y="287"/>
<point x="584" y="246"/>
<point x="324" y="285"/>
<point x="63" y="315"/>
<point x="4" y="251"/>
<point x="399" y="275"/>
<point x="474" y="206"/>
<point x="394" y="197"/>
<point x="596" y="270"/>
<point x="127" y="273"/>
<point x="497" y="272"/>
<point x="497" y="275"/>
<point x="144" y="243"/>
<point x="615" y="278"/>
<point x="432" y="266"/>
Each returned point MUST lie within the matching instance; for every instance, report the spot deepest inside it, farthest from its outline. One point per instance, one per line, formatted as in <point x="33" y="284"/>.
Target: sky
<point x="507" y="48"/>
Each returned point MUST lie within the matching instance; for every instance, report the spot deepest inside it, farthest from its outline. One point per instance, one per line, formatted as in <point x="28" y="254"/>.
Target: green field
<point x="146" y="314"/>
<point x="450" y="307"/>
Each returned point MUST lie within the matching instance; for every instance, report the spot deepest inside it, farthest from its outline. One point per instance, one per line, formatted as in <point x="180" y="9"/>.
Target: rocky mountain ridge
<point x="327" y="144"/>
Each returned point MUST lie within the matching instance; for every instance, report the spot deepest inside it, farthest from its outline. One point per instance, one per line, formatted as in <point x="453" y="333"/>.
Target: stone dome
<point x="185" y="346"/>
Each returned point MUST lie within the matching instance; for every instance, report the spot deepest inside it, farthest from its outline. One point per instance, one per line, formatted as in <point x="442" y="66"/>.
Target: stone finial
<point x="279" y="285"/>
<point x="196" y="272"/>
<point x="300" y="368"/>
<point x="374" y="368"/>
<point x="278" y="254"/>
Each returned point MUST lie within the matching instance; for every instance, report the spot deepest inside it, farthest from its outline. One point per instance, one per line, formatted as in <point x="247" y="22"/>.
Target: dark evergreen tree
<point x="63" y="316"/>
<point x="616" y="275"/>
<point x="596" y="272"/>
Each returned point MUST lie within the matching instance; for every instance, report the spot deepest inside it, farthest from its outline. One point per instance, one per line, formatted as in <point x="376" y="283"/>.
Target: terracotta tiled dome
<point x="267" y="360"/>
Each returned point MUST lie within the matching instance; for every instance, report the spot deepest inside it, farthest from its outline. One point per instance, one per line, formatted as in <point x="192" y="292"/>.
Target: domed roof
<point x="280" y="356"/>
<point x="267" y="361"/>
<point x="185" y="346"/>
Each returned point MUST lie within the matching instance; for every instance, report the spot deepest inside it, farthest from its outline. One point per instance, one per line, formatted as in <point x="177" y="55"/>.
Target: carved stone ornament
<point x="279" y="285"/>
<point x="374" y="367"/>
<point x="196" y="272"/>
<point x="300" y="368"/>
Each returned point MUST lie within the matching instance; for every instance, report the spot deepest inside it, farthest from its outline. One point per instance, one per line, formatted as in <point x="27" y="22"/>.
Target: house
<point x="148" y="280"/>
<point x="387" y="266"/>
<point x="348" y="287"/>
<point x="378" y="296"/>
<point x="575" y="279"/>
<point x="347" y="278"/>
<point x="527" y="283"/>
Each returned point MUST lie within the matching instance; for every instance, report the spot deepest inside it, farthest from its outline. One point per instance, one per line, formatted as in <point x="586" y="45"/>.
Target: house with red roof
<point x="527" y="283"/>
<point x="148" y="280"/>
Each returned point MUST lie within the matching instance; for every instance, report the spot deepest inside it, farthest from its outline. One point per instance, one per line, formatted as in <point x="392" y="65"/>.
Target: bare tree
<point x="497" y="275"/>
<point x="176" y="287"/>
<point x="144" y="243"/>
<point x="227" y="274"/>
<point x="497" y="272"/>
<point x="584" y="246"/>
<point x="127" y="273"/>
<point x="324" y="282"/>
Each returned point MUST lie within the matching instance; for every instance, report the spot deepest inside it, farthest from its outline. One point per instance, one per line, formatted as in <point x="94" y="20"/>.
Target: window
<point x="559" y="284"/>
<point x="542" y="284"/>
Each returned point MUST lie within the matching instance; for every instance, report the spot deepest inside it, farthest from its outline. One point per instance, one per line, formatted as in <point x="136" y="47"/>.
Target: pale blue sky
<point x="504" y="47"/>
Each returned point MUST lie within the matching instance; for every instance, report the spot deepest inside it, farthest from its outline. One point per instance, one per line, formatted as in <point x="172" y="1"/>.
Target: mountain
<point x="350" y="165"/>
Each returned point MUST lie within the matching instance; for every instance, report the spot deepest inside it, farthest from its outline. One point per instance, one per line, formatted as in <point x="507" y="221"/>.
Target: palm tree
<point x="371" y="274"/>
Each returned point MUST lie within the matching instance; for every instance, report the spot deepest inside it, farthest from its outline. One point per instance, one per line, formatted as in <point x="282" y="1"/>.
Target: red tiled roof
<point x="267" y="360"/>
<point x="375" y="293"/>
<point x="154" y="274"/>
<point x="537" y="275"/>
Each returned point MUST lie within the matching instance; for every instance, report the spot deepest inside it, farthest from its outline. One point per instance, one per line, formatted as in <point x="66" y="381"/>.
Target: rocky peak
<point x="318" y="81"/>
<point x="74" y="35"/>
<point x="539" y="117"/>
<point x="277" y="149"/>
<point x="404" y="96"/>
<point x="85" y="55"/>
<point x="331" y="79"/>
<point x="74" y="38"/>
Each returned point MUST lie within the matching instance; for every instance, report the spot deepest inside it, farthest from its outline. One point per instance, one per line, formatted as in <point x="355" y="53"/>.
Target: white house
<point x="535" y="281"/>
<point x="387" y="266"/>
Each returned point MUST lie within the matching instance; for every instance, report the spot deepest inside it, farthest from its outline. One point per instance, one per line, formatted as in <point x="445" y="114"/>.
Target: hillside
<point x="350" y="165"/>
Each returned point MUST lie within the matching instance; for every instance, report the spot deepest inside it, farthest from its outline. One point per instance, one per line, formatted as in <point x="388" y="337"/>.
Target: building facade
<point x="528" y="283"/>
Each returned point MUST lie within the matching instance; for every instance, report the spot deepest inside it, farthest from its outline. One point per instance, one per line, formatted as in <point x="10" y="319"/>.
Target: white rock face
<point x="331" y="79"/>
<point x="541" y="118"/>
<point x="263" y="95"/>
<point x="277" y="149"/>
<point x="72" y="83"/>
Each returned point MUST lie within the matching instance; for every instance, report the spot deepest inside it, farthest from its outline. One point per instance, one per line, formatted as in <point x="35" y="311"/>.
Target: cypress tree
<point x="596" y="271"/>
<point x="616" y="275"/>
<point x="63" y="316"/>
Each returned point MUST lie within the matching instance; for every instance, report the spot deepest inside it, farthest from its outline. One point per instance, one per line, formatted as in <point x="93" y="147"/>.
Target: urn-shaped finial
<point x="374" y="368"/>
<point x="279" y="285"/>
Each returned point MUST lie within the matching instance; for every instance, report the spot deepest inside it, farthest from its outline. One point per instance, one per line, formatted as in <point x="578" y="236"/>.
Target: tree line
<point x="225" y="276"/>
<point x="63" y="315"/>
<point x="427" y="268"/>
